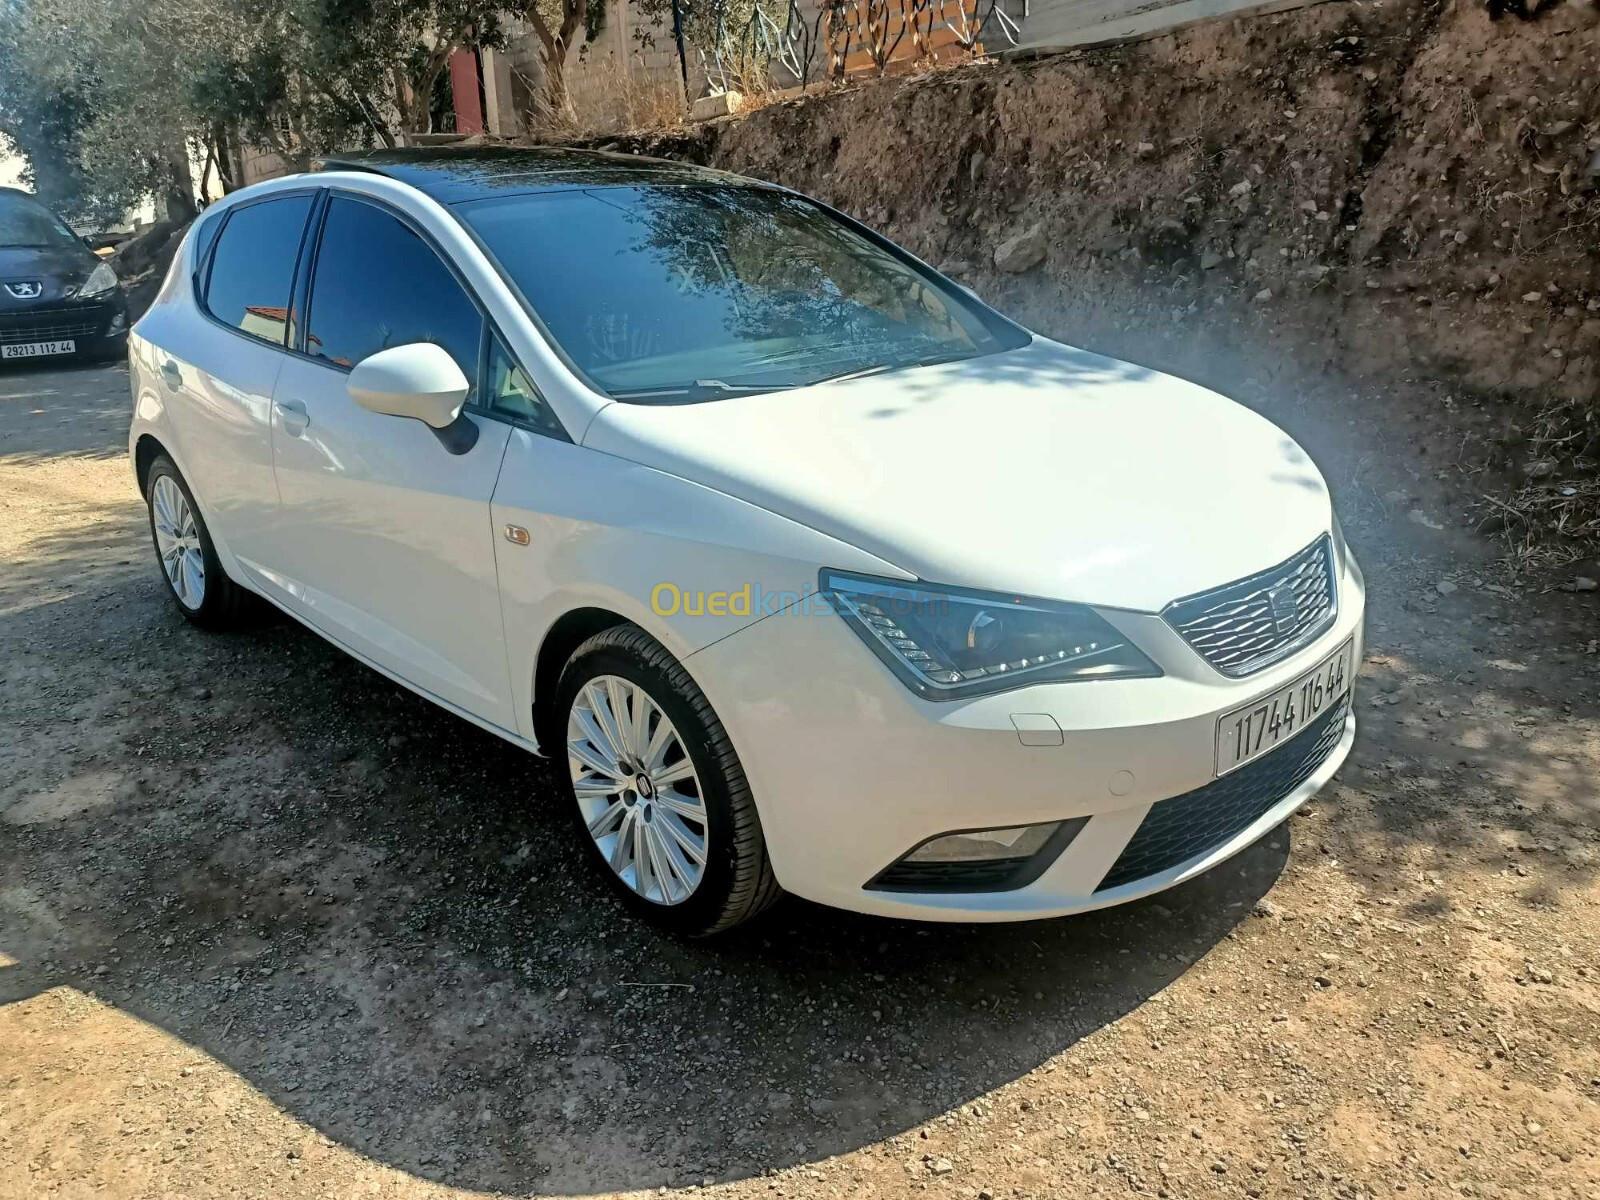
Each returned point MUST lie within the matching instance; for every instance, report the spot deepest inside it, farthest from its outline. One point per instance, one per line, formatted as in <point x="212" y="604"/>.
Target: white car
<point x="816" y="574"/>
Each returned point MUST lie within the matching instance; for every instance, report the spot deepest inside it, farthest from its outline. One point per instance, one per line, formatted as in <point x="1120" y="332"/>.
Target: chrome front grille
<point x="1251" y="624"/>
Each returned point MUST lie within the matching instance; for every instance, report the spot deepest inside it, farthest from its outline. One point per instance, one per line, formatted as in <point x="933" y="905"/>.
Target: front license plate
<point x="38" y="349"/>
<point x="1249" y="732"/>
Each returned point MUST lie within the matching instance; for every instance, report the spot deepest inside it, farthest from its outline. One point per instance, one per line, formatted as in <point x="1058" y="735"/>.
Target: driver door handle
<point x="292" y="416"/>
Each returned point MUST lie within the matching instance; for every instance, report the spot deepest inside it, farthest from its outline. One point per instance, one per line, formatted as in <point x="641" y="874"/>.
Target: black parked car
<point x="56" y="298"/>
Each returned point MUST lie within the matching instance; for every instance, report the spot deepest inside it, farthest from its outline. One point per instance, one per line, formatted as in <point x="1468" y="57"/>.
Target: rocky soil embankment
<point x="1408" y="188"/>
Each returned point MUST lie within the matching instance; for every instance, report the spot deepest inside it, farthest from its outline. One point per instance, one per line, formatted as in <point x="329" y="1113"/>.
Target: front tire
<point x="659" y="796"/>
<point x="195" y="580"/>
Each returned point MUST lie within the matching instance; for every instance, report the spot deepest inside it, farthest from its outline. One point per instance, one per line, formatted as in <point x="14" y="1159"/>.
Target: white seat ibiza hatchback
<point x="812" y="572"/>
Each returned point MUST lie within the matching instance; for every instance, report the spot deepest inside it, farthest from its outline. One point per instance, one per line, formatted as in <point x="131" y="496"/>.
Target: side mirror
<point x="420" y="381"/>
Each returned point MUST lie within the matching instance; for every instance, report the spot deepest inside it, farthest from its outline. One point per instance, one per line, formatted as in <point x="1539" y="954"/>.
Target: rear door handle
<point x="292" y="416"/>
<point x="171" y="374"/>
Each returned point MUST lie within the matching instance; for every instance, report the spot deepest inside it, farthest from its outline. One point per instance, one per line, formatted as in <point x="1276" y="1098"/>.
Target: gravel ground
<point x="272" y="926"/>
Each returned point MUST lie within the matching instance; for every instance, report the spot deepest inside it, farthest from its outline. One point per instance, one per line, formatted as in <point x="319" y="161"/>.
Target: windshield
<point x="24" y="223"/>
<point x="669" y="293"/>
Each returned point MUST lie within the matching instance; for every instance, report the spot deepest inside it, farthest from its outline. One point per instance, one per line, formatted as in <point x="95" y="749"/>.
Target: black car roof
<point x="452" y="175"/>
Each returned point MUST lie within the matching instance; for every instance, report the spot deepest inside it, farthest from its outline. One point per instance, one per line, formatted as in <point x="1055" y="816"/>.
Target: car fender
<point x="152" y="418"/>
<point x="575" y="528"/>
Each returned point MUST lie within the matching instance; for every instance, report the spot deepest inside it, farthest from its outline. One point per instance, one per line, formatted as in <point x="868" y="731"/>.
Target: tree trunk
<point x="179" y="192"/>
<point x="227" y="166"/>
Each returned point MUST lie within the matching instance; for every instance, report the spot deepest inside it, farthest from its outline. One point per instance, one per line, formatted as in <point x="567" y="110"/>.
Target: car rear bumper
<point x="850" y="771"/>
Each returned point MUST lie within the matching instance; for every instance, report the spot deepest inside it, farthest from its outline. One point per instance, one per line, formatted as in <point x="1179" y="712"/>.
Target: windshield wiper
<point x="684" y="389"/>
<point x="880" y="368"/>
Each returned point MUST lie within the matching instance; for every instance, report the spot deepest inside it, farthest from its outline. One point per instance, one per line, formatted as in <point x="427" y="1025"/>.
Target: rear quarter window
<point x="205" y="234"/>
<point x="252" y="266"/>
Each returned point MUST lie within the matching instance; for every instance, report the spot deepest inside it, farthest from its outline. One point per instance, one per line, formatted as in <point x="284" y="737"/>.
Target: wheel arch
<point x="565" y="635"/>
<point x="145" y="452"/>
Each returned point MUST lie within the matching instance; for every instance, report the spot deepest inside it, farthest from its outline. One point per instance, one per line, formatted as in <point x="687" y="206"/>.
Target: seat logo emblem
<point x="30" y="289"/>
<point x="1285" y="606"/>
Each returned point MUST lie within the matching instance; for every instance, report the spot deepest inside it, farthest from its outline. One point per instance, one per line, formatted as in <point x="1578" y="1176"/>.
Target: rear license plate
<point x="38" y="349"/>
<point x="1249" y="732"/>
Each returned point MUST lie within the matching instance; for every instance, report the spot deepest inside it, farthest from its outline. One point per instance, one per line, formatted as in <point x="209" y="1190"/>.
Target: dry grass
<point x="606" y="97"/>
<point x="1550" y="517"/>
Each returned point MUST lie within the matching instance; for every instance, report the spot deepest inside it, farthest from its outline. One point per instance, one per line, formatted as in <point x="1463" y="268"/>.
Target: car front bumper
<point x="850" y="771"/>
<point x="93" y="325"/>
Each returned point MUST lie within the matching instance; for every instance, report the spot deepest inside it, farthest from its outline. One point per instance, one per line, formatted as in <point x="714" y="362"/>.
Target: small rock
<point x="1582" y="583"/>
<point x="1265" y="908"/>
<point x="1444" y="587"/>
<point x="1418" y="517"/>
<point x="1242" y="188"/>
<point x="1263" y="295"/>
<point x="1144" y="149"/>
<point x="1532" y="297"/>
<point x="1210" y="259"/>
<point x="941" y="1166"/>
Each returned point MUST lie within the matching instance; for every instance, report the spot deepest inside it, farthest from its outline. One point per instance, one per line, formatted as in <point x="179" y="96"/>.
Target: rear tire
<point x="652" y="780"/>
<point x="194" y="577"/>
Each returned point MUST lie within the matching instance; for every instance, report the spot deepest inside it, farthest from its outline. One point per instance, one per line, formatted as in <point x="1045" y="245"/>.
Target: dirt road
<point x="271" y="926"/>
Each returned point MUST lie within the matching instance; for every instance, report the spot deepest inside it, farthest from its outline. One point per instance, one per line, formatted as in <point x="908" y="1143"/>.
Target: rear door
<point x="219" y="362"/>
<point x="383" y="537"/>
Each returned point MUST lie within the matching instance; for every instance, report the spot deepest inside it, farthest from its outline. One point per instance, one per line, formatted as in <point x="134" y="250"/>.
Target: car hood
<point x="1045" y="471"/>
<point x="55" y="267"/>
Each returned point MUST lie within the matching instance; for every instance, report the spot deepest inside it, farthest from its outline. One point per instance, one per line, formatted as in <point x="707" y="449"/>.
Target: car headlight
<point x="948" y="644"/>
<point x="101" y="280"/>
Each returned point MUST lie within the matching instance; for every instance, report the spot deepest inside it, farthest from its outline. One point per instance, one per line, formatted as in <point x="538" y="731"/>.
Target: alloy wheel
<point x="178" y="542"/>
<point x="637" y="789"/>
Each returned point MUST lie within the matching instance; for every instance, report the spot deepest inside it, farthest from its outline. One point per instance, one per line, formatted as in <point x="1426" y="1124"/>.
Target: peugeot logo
<point x="31" y="289"/>
<point x="1285" y="606"/>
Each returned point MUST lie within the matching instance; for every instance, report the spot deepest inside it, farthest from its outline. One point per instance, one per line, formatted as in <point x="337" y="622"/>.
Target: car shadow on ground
<point x="79" y="408"/>
<point x="377" y="914"/>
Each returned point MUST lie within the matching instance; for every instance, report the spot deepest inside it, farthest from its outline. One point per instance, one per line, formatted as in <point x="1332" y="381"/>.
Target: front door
<point x="383" y="540"/>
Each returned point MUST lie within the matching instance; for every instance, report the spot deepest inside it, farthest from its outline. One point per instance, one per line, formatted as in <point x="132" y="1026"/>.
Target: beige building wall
<point x="618" y="81"/>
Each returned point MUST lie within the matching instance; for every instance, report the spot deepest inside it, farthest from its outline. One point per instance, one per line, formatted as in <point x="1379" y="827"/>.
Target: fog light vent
<point x="980" y="860"/>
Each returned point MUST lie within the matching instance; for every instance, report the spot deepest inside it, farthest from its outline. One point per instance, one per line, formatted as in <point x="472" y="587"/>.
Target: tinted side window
<point x="378" y="285"/>
<point x="252" y="268"/>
